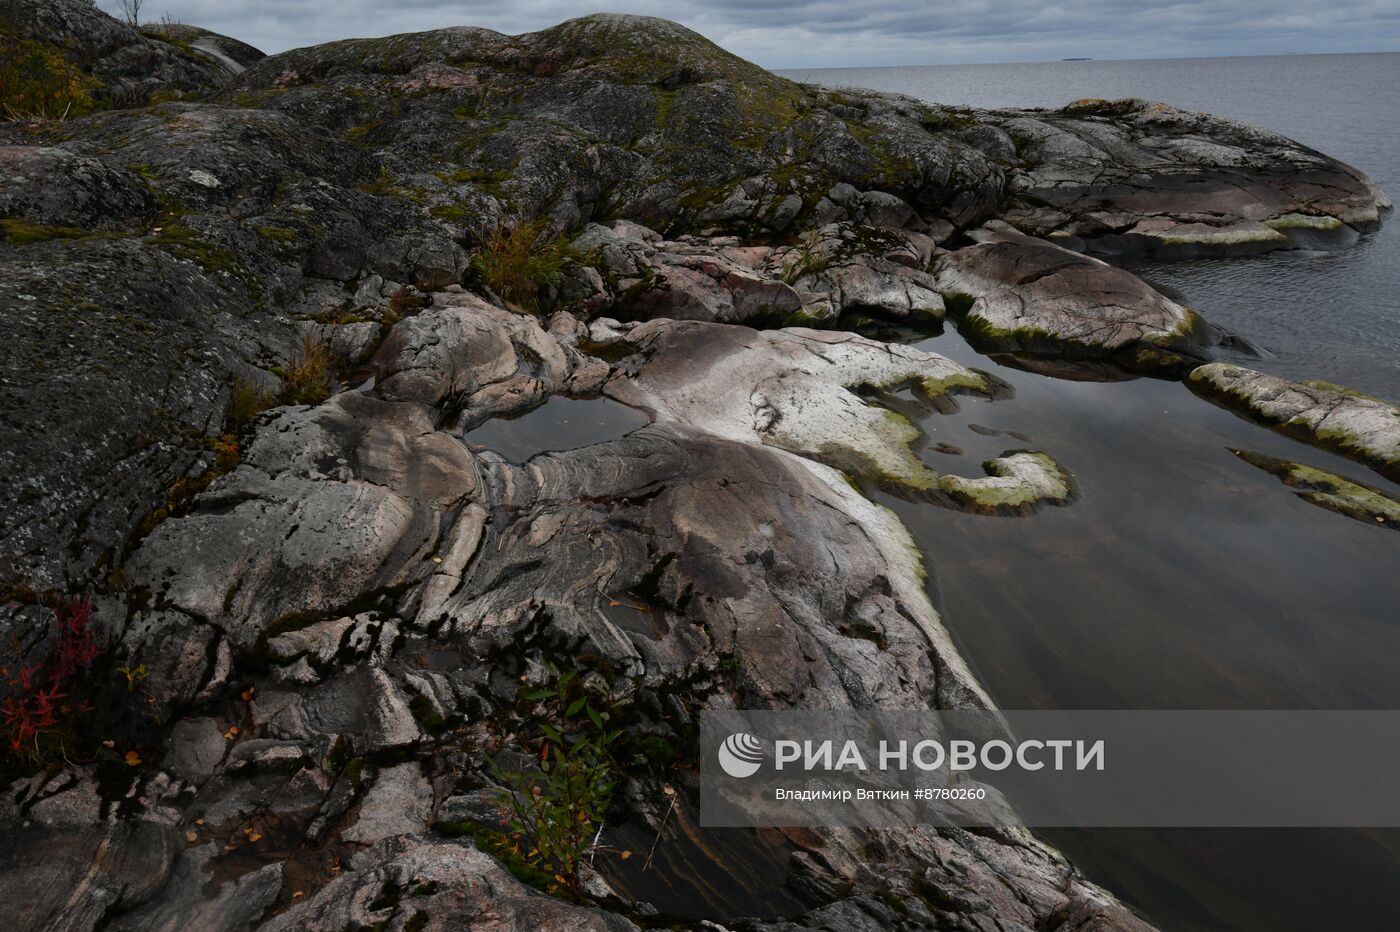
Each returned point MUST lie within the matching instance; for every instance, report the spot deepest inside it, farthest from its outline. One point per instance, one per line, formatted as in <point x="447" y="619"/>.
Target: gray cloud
<point x="833" y="33"/>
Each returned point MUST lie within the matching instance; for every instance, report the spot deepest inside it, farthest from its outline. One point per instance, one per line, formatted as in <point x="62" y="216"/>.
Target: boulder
<point x="1018" y="293"/>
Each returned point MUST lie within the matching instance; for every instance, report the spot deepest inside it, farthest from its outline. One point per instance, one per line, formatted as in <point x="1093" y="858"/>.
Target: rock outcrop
<point x="251" y="311"/>
<point x="1135" y="177"/>
<point x="126" y="65"/>
<point x="1357" y="426"/>
<point x="1329" y="490"/>
<point x="1018" y="293"/>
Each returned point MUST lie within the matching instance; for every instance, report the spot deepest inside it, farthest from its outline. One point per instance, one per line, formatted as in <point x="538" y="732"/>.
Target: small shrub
<point x="515" y="264"/>
<point x="308" y="380"/>
<point x="40" y="714"/>
<point x="805" y="260"/>
<point x="38" y="82"/>
<point x="557" y="810"/>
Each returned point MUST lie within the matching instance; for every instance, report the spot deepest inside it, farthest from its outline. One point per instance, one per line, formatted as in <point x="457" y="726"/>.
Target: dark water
<point x="558" y="424"/>
<point x="1183" y="577"/>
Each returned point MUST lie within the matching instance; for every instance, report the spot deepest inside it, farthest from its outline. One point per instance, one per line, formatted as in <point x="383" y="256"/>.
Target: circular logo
<point x="740" y="755"/>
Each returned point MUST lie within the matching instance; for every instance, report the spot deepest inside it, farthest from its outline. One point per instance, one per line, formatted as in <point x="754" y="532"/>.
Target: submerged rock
<point x="1330" y="491"/>
<point x="1357" y="426"/>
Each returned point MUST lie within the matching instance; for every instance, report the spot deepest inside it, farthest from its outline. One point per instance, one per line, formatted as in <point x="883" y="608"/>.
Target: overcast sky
<point x="835" y="33"/>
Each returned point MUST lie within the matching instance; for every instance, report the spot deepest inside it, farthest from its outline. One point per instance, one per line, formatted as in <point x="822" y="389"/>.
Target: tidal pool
<point x="558" y="424"/>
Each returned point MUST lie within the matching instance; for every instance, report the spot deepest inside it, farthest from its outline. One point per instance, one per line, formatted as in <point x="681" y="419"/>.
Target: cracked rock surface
<point x="1357" y="426"/>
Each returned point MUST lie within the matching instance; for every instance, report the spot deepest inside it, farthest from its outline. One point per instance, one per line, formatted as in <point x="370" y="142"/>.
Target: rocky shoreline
<point x="255" y="304"/>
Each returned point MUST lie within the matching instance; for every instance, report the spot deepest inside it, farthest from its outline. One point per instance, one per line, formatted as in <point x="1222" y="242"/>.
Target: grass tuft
<point x="307" y="382"/>
<point x="515" y="263"/>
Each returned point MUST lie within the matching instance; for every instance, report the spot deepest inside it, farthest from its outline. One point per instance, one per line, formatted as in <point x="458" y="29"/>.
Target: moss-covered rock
<point x="1021" y="294"/>
<point x="1357" y="426"/>
<point x="1331" y="491"/>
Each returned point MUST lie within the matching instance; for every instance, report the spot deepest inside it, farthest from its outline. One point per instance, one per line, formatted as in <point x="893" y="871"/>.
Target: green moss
<point x="20" y="232"/>
<point x="1331" y="491"/>
<point x="969" y="381"/>
<point x="453" y="213"/>
<point x="665" y="100"/>
<point x="1304" y="222"/>
<point x="994" y="494"/>
<point x="801" y="318"/>
<point x="1342" y="390"/>
<point x="38" y="81"/>
<point x="278" y="235"/>
<point x="183" y="243"/>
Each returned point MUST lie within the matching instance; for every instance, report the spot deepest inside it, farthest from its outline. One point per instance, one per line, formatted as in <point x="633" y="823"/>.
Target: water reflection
<point x="558" y="424"/>
<point x="1183" y="577"/>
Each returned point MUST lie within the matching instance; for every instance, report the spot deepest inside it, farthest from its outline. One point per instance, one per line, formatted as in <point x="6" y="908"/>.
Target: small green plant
<point x="805" y="260"/>
<point x="557" y="810"/>
<point x="134" y="675"/>
<point x="307" y="382"/>
<point x="38" y="82"/>
<point x="245" y="402"/>
<point x="516" y="263"/>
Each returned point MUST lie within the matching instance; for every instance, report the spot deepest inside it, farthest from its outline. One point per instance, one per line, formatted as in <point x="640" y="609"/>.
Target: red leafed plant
<point x="37" y="705"/>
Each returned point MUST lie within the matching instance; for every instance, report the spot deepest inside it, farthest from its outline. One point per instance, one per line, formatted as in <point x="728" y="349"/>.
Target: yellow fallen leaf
<point x="254" y="836"/>
<point x="625" y="855"/>
<point x="191" y="836"/>
<point x="133" y="759"/>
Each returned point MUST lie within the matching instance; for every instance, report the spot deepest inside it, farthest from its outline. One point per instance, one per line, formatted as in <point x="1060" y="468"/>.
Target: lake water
<point x="1183" y="577"/>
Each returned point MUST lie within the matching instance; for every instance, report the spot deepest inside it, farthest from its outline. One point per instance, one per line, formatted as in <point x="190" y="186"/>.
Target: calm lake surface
<point x="1183" y="577"/>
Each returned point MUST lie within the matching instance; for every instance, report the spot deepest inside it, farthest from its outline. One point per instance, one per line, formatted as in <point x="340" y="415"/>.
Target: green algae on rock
<point x="1357" y="426"/>
<point x="796" y="389"/>
<point x="1018" y="293"/>
<point x="1329" y="490"/>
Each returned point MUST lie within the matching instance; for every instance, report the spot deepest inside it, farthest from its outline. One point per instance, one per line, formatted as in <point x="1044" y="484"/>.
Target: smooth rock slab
<point x="1357" y="426"/>
<point x="1018" y="293"/>
<point x="794" y="389"/>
